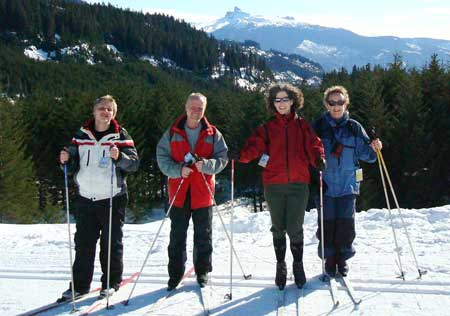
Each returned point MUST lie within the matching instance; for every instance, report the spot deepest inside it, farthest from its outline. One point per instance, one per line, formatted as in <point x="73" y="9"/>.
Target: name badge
<point x="359" y="175"/>
<point x="104" y="162"/>
<point x="263" y="160"/>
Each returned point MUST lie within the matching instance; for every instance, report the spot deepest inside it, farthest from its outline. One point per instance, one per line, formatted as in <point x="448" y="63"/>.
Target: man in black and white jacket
<point x="99" y="143"/>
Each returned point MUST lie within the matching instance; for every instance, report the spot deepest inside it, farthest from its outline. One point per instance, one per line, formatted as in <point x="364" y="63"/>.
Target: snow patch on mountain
<point x="80" y="50"/>
<point x="413" y="46"/>
<point x="310" y="47"/>
<point x="114" y="51"/>
<point x="38" y="54"/>
<point x="150" y="59"/>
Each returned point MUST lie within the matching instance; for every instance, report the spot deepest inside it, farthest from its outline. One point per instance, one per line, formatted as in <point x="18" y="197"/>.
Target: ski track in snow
<point x="34" y="268"/>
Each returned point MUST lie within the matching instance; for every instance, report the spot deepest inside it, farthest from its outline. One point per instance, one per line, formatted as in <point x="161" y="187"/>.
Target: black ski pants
<point x="202" y="219"/>
<point x="339" y="226"/>
<point x="92" y="220"/>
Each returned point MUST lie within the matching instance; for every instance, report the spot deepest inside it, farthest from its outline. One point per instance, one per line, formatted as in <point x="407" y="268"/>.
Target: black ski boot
<point x="202" y="279"/>
<point x="67" y="295"/>
<point x="330" y="266"/>
<point x="280" y="277"/>
<point x="173" y="283"/>
<point x="297" y="266"/>
<point x="299" y="274"/>
<point x="280" y="252"/>
<point x="342" y="267"/>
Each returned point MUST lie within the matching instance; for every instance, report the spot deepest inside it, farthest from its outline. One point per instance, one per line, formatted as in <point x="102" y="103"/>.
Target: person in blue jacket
<point x="345" y="142"/>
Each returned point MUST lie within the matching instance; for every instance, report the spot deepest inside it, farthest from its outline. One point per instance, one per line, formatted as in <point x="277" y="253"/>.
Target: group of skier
<point x="191" y="152"/>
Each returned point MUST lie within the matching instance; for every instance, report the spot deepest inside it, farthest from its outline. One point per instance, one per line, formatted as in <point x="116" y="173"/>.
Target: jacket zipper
<point x="287" y="152"/>
<point x="89" y="154"/>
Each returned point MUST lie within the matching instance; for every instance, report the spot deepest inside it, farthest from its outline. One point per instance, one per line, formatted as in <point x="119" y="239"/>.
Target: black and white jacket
<point x="90" y="163"/>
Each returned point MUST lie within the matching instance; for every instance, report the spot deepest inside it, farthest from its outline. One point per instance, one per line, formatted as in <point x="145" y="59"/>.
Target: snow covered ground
<point x="34" y="268"/>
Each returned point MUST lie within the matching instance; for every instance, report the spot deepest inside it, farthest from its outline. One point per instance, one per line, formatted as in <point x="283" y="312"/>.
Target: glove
<point x="321" y="163"/>
<point x="234" y="155"/>
<point x="372" y="132"/>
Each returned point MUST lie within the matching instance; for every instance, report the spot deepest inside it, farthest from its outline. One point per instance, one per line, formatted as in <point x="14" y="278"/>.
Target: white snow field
<point x="34" y="269"/>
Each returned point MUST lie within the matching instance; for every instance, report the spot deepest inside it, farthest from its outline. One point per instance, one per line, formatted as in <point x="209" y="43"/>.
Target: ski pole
<point x="397" y="248"/>
<point x="322" y="241"/>
<point x="421" y="272"/>
<point x="154" y="241"/>
<point x="246" y="276"/>
<point x="109" y="233"/>
<point x="230" y="295"/>
<point x="66" y="185"/>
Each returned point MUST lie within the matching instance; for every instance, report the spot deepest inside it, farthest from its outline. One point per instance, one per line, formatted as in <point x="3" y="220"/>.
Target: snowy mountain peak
<point x="236" y="14"/>
<point x="240" y="19"/>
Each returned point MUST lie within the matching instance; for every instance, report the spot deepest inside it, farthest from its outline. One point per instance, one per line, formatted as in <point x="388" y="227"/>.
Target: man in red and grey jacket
<point x="193" y="151"/>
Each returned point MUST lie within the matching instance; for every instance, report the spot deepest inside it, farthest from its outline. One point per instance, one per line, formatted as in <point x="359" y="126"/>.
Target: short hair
<point x="196" y="96"/>
<point x="336" y="89"/>
<point x="295" y="94"/>
<point x="107" y="98"/>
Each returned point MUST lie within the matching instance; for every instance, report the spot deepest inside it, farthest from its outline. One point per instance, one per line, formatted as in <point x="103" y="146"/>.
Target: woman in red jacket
<point x="287" y="146"/>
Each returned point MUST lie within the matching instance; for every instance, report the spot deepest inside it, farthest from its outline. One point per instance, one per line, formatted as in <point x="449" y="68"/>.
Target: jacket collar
<point x="180" y="123"/>
<point x="280" y="118"/>
<point x="337" y="123"/>
<point x="90" y="125"/>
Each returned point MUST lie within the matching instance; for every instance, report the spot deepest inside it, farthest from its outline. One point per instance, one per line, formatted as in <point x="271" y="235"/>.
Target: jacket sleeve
<point x="128" y="159"/>
<point x="219" y="160"/>
<point x="74" y="158"/>
<point x="314" y="146"/>
<point x="255" y="146"/>
<point x="166" y="164"/>
<point x="363" y="149"/>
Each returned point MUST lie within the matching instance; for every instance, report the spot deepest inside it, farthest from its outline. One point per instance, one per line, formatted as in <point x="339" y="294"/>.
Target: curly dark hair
<point x="293" y="93"/>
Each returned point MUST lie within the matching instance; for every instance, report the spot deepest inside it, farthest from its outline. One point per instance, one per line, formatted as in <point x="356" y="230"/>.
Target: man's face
<point x="195" y="109"/>
<point x="103" y="112"/>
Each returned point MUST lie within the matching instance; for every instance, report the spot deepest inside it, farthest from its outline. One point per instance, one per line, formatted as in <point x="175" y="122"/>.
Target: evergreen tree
<point x="436" y="100"/>
<point x="17" y="180"/>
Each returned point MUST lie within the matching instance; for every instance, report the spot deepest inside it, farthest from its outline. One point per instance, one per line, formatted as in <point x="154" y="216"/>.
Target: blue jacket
<point x="350" y="137"/>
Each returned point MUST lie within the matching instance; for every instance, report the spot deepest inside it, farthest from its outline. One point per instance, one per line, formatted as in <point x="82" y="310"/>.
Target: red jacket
<point x="292" y="146"/>
<point x="204" y="148"/>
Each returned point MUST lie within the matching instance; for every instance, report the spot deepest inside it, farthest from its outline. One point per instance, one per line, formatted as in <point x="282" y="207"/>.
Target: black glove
<point x="321" y="163"/>
<point x="372" y="132"/>
<point x="233" y="155"/>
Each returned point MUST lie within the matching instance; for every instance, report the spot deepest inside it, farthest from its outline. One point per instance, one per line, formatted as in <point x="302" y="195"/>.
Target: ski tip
<point x="247" y="277"/>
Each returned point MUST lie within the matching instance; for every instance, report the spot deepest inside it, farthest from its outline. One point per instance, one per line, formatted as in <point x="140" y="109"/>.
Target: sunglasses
<point x="284" y="100"/>
<point x="334" y="103"/>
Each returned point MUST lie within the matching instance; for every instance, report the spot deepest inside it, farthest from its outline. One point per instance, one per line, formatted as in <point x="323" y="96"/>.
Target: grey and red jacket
<point x="92" y="177"/>
<point x="292" y="146"/>
<point x="170" y="153"/>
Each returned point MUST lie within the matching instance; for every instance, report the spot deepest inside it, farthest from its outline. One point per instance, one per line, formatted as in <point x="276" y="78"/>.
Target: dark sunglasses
<point x="284" y="100"/>
<point x="334" y="103"/>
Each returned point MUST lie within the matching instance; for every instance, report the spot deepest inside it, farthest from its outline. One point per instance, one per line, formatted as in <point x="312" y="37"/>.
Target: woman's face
<point x="283" y="103"/>
<point x="336" y="105"/>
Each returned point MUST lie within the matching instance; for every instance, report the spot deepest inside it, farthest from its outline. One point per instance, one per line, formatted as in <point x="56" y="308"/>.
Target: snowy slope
<point x="34" y="261"/>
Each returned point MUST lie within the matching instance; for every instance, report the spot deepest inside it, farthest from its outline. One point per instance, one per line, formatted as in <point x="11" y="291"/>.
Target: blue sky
<point x="403" y="18"/>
